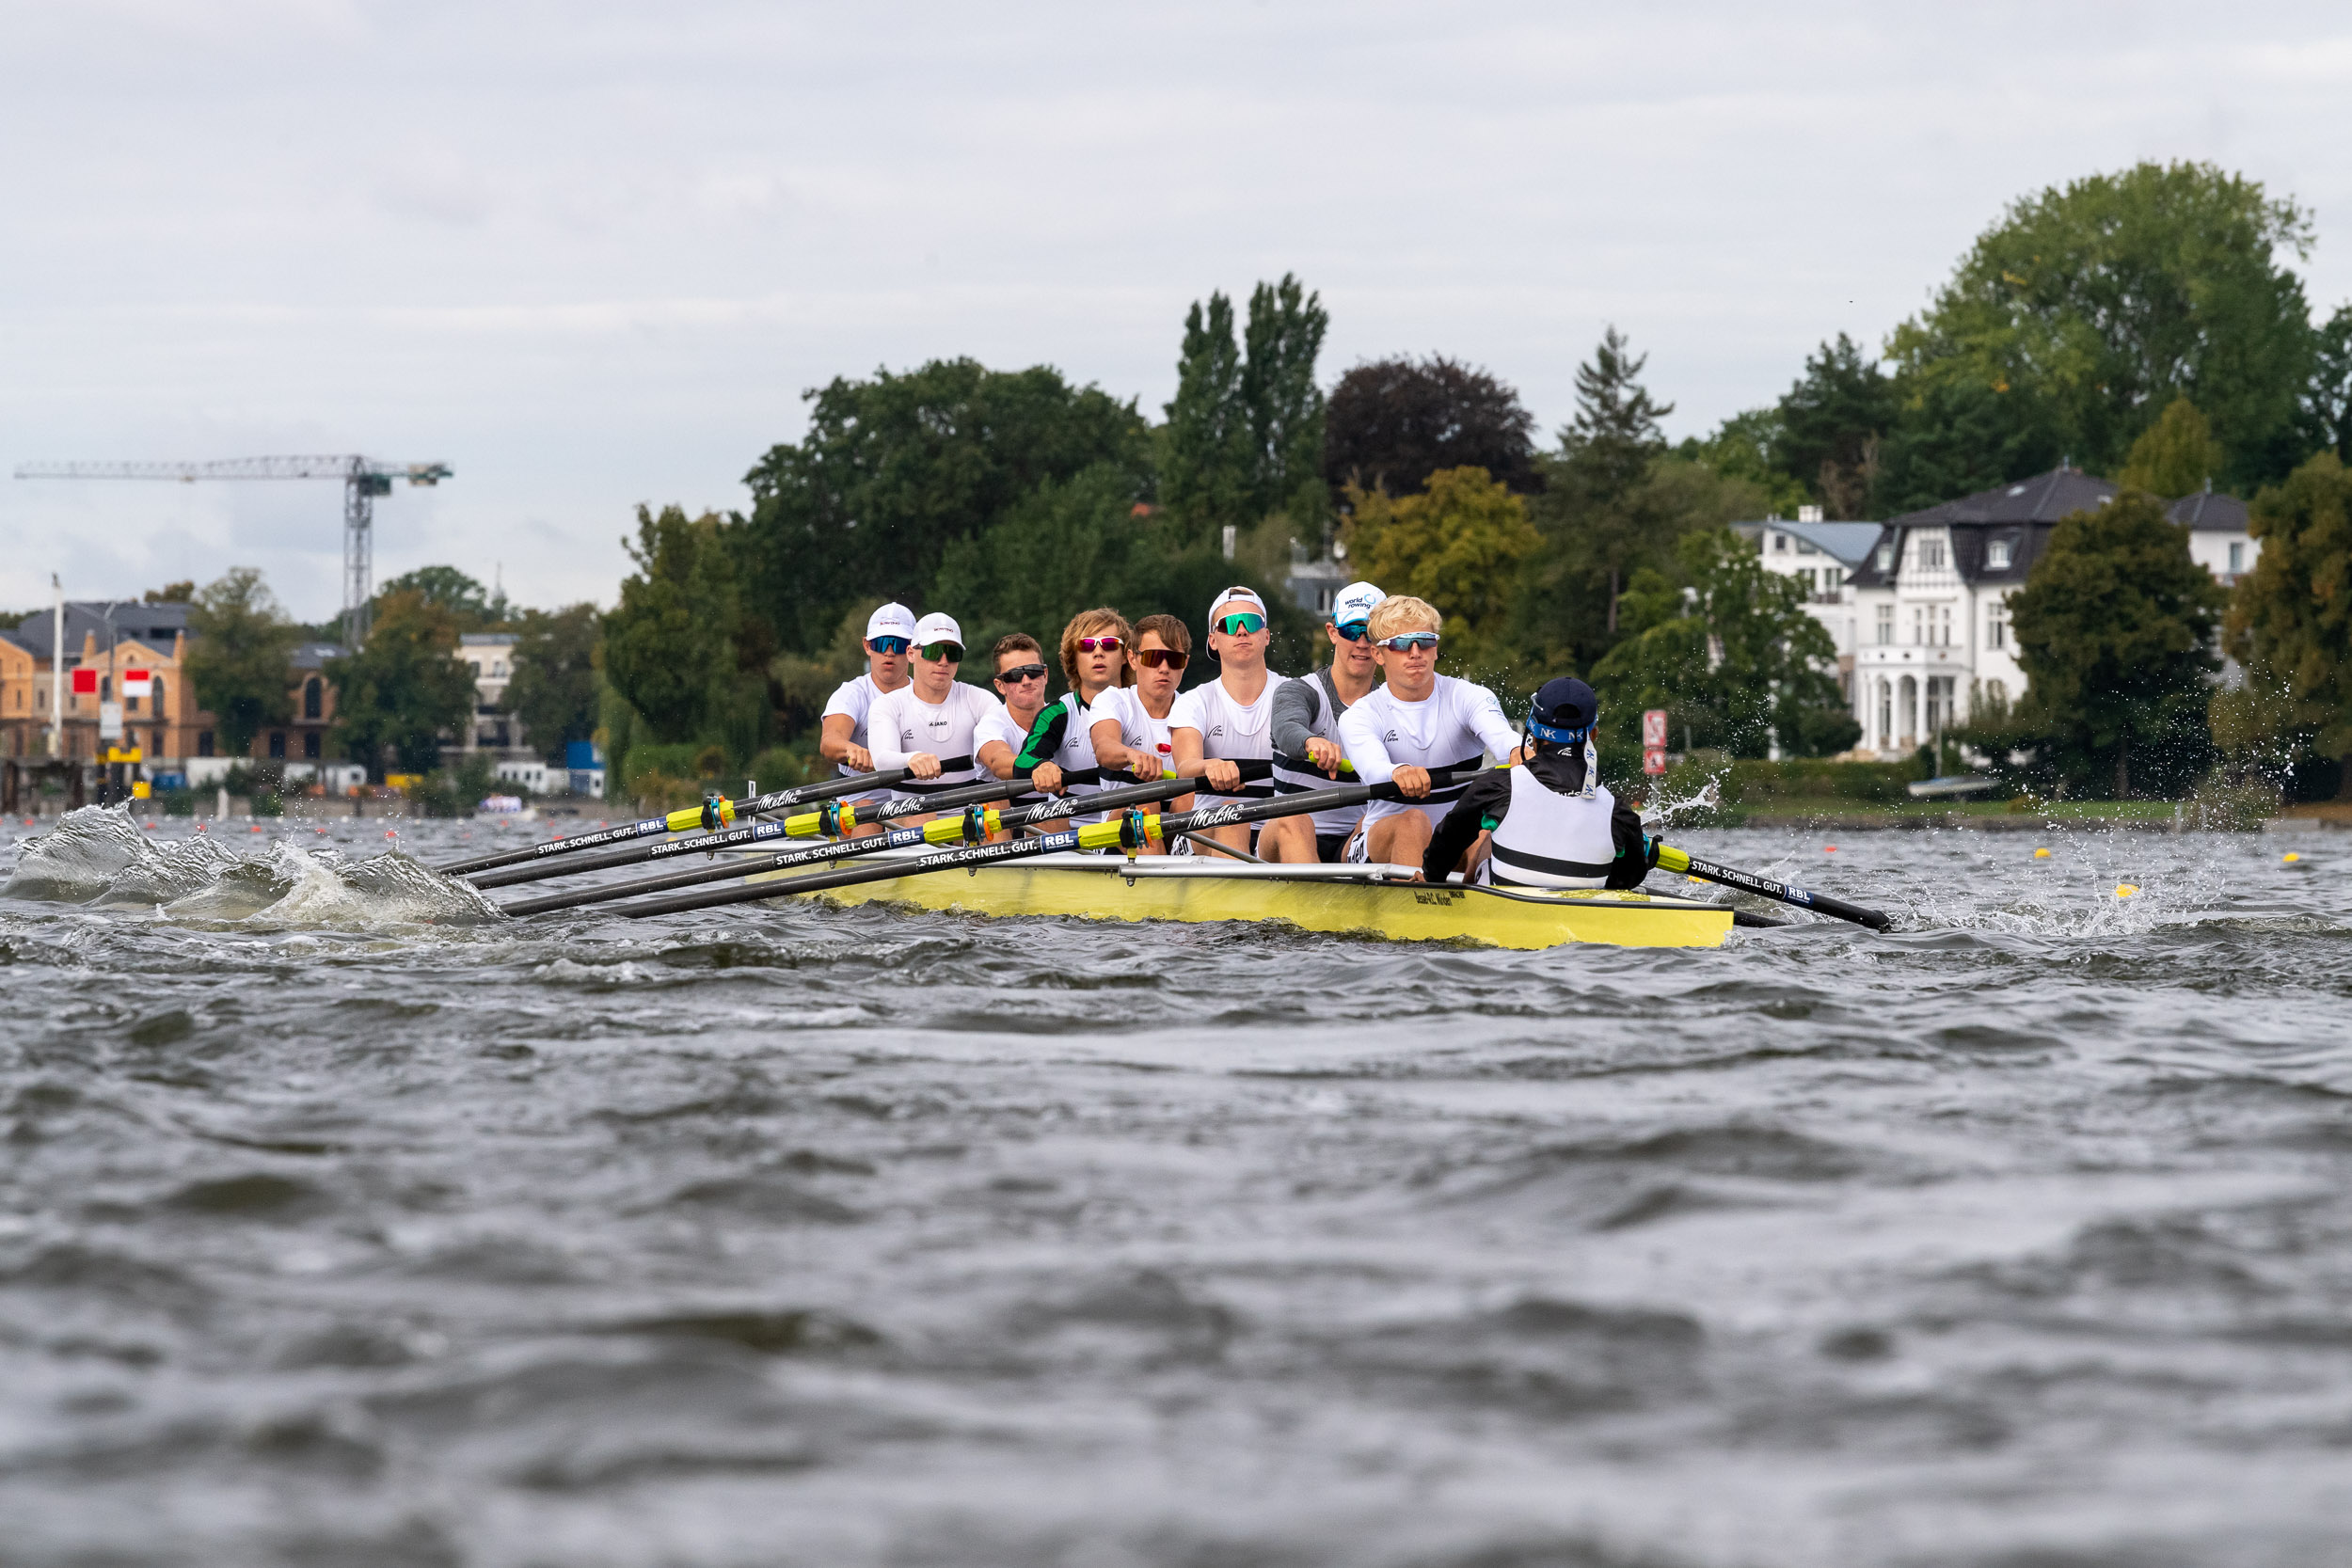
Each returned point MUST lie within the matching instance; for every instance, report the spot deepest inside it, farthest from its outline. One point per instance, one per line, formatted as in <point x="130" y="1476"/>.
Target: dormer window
<point x="1996" y="556"/>
<point x="1931" y="554"/>
<point x="1780" y="544"/>
<point x="1886" y="558"/>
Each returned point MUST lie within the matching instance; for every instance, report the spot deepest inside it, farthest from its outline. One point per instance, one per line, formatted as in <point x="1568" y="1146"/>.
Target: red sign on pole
<point x="86" y="683"/>
<point x="1654" y="727"/>
<point x="1653" y="760"/>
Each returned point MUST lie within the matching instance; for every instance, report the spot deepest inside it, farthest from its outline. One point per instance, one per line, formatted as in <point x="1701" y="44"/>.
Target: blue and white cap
<point x="891" y="619"/>
<point x="1563" y="712"/>
<point x="1356" y="602"/>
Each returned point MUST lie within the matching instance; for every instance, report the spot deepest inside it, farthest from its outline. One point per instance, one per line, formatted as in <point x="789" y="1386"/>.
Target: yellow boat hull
<point x="1310" y="899"/>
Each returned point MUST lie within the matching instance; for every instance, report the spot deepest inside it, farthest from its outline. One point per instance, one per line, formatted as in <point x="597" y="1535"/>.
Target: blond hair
<point x="1401" y="612"/>
<point x="1093" y="622"/>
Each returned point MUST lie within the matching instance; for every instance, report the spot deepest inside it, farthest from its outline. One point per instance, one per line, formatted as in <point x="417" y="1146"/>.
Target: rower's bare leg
<point x="1290" y="840"/>
<point x="1475" y="856"/>
<point x="1400" y="839"/>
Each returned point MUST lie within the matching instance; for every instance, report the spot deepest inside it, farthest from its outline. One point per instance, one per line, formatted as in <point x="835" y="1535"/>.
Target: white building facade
<point x="1929" y="602"/>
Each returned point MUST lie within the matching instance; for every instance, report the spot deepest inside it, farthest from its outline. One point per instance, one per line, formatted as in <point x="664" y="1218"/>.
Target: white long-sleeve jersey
<point x="1459" y="726"/>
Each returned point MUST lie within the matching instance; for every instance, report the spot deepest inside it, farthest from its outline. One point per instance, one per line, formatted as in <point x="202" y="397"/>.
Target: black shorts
<point x="1328" y="847"/>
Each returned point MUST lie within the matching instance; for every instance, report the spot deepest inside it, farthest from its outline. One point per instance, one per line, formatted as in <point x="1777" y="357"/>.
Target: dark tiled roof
<point x="312" y="656"/>
<point x="155" y="624"/>
<point x="2210" y="513"/>
<point x="2018" y="516"/>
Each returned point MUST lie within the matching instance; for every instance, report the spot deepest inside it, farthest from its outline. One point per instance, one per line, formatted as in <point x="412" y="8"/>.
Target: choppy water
<point x="342" y="1223"/>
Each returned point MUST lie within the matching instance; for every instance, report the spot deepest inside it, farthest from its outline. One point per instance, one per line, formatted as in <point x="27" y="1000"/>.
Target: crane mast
<point x="363" y="479"/>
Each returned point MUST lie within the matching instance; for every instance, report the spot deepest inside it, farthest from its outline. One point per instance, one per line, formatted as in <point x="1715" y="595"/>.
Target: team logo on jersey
<point x="1215" y="731"/>
<point x="1390" y="735"/>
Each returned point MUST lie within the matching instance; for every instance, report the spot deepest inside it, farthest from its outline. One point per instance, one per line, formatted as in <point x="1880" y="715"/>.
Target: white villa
<point x="1921" y="614"/>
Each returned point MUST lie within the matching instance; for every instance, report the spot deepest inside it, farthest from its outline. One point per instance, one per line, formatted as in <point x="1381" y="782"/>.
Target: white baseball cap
<point x="1234" y="596"/>
<point x="936" y="628"/>
<point x="1356" y="602"/>
<point x="891" y="619"/>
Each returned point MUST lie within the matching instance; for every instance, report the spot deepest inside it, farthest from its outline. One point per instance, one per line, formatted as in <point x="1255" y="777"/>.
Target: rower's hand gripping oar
<point x="973" y="823"/>
<point x="1672" y="859"/>
<point x="1130" y="830"/>
<point x="710" y="814"/>
<point x="828" y="821"/>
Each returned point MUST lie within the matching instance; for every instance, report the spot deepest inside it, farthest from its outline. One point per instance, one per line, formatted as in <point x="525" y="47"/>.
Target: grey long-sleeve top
<point x="1295" y="706"/>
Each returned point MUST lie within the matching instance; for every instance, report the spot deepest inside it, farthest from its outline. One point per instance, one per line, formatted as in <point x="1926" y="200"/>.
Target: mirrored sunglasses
<point x="1353" y="631"/>
<point x="1241" y="623"/>
<point x="943" y="652"/>
<point x="1020" y="672"/>
<point x="1104" y="644"/>
<point x="889" y="644"/>
<point x="1157" y="658"/>
<point x="1410" y="640"/>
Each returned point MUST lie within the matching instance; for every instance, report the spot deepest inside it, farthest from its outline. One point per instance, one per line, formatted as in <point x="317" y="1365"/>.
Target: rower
<point x="1061" y="748"/>
<point x="1231" y="718"/>
<point x="889" y="633"/>
<point x="1307" y="724"/>
<point x="1128" y="725"/>
<point x="1020" y="682"/>
<point x="1420" y="721"/>
<point x="927" y="726"/>
<point x="1548" y="821"/>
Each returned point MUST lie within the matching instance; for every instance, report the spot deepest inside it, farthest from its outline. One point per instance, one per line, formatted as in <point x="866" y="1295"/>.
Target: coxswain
<point x="1129" y="723"/>
<point x="1230" y="720"/>
<point x="1060" y="751"/>
<point x="1548" y="821"/>
<point x="927" y="726"/>
<point x="842" y="739"/>
<point x="1417" y="723"/>
<point x="1307" y="715"/>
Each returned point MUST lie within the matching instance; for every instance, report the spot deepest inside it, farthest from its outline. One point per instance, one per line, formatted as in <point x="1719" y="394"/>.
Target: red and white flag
<point x="137" y="683"/>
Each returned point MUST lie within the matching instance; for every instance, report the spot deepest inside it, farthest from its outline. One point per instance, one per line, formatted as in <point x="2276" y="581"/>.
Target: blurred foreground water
<point x="343" y="1220"/>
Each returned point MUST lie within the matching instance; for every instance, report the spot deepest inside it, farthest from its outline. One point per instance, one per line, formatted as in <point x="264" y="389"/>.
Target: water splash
<point x="1662" y="812"/>
<point x="98" y="856"/>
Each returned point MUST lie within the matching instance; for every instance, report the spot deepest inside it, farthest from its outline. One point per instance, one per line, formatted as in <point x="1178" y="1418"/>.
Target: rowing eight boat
<point x="1378" y="900"/>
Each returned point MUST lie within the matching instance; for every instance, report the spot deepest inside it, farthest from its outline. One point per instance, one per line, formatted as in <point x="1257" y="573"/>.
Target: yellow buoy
<point x="2124" y="890"/>
<point x="2041" y="854"/>
<point x="2289" y="857"/>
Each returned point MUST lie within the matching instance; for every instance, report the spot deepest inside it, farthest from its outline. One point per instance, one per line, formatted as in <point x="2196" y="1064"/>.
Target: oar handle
<point x="1672" y="859"/>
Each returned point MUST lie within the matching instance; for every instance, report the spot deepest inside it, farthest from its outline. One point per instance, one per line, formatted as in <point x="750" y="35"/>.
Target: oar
<point x="973" y="822"/>
<point x="1672" y="859"/>
<point x="710" y="814"/>
<point x="1127" y="831"/>
<point x="829" y="821"/>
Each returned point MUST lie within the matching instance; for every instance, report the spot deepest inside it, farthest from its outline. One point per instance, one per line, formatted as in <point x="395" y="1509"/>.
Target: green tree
<point x="2113" y="629"/>
<point x="173" y="593"/>
<point x="2290" y="621"/>
<point x="1459" y="544"/>
<point x="2327" y="397"/>
<point x="556" y="686"/>
<point x="1741" y="448"/>
<point x="1393" y="422"/>
<point x="405" y="688"/>
<point x="895" y="468"/>
<point x="679" y="647"/>
<point x="1078" y="544"/>
<point x="446" y="588"/>
<point x="1831" y="425"/>
<point x="2113" y="297"/>
<point x="1735" y="658"/>
<point x="1209" y="469"/>
<point x="1955" y="435"/>
<point x="1605" y="453"/>
<point x="239" y="659"/>
<point x="2175" y="456"/>
<point x="1283" y="404"/>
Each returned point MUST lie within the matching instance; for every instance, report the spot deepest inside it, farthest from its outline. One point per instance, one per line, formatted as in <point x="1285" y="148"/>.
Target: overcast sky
<point x="591" y="255"/>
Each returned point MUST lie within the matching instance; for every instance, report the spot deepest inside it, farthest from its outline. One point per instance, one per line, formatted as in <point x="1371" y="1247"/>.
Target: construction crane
<point x="365" y="478"/>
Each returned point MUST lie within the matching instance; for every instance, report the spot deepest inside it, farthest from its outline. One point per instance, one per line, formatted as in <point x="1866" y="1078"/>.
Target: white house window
<point x="1886" y="626"/>
<point x="1996" y="556"/>
<point x="1931" y="554"/>
<point x="1995" y="629"/>
<point x="2237" y="559"/>
<point x="1886" y="558"/>
<point x="1780" y="544"/>
<point x="1918" y="625"/>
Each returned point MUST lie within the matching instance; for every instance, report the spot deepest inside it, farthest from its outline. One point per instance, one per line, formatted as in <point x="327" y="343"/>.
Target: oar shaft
<point x="1673" y="858"/>
<point x="945" y="829"/>
<point x="753" y="832"/>
<point x="682" y="820"/>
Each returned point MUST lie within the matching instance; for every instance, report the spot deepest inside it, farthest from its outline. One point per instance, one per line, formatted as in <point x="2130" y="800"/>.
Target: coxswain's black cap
<point x="1562" y="711"/>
